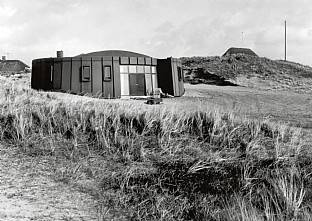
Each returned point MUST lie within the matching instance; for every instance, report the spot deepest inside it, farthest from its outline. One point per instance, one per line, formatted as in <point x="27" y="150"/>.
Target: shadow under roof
<point x="112" y="53"/>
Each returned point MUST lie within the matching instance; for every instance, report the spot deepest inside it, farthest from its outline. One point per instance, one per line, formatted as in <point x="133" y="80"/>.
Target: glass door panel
<point x="154" y="80"/>
<point x="148" y="84"/>
<point x="124" y="83"/>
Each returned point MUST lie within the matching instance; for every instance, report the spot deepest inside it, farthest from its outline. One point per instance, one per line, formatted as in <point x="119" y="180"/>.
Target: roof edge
<point x="113" y="53"/>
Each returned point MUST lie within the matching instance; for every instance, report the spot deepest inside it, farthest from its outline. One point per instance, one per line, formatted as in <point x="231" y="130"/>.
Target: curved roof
<point x="246" y="51"/>
<point x="111" y="53"/>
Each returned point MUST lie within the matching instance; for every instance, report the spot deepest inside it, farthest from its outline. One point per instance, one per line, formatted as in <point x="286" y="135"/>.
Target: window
<point x="153" y="69"/>
<point x="51" y="74"/>
<point x="132" y="69"/>
<point x="107" y="73"/>
<point x="179" y="73"/>
<point x="137" y="79"/>
<point x="154" y="81"/>
<point x="148" y="84"/>
<point x="124" y="83"/>
<point x="140" y="69"/>
<point x="124" y="69"/>
<point x="147" y="69"/>
<point x="86" y="70"/>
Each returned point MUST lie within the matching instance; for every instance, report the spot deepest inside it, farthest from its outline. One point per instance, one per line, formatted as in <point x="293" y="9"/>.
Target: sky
<point x="159" y="28"/>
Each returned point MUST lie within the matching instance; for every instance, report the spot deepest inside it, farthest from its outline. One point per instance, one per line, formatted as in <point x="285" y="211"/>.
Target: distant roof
<point x="246" y="51"/>
<point x="111" y="53"/>
<point x="12" y="65"/>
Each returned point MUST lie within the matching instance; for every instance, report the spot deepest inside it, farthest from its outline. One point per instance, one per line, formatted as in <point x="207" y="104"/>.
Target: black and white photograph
<point x="156" y="110"/>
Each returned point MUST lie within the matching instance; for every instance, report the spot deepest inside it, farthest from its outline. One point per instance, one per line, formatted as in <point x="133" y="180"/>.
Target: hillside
<point x="249" y="71"/>
<point x="216" y="153"/>
<point x="12" y="66"/>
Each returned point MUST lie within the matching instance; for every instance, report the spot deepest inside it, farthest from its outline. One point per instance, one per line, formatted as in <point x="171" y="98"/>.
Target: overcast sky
<point x="160" y="28"/>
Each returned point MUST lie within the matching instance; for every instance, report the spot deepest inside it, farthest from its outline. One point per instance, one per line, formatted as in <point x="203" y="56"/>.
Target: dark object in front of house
<point x="154" y="100"/>
<point x="155" y="97"/>
<point x="108" y="74"/>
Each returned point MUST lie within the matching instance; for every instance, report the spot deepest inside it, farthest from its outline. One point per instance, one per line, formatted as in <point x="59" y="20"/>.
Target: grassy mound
<point x="249" y="71"/>
<point x="163" y="164"/>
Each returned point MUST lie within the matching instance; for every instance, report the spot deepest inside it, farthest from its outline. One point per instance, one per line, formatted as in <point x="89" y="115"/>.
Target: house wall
<point x="97" y="86"/>
<point x="75" y="85"/>
<point x="35" y="74"/>
<point x="101" y="77"/>
<point x="164" y="72"/>
<point x="86" y="82"/>
<point x="170" y="76"/>
<point x="108" y="85"/>
<point x="66" y="78"/>
<point x="57" y="74"/>
<point x="116" y="77"/>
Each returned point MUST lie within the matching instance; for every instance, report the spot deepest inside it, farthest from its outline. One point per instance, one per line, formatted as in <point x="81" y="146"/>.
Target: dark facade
<point x="170" y="76"/>
<point x="108" y="74"/>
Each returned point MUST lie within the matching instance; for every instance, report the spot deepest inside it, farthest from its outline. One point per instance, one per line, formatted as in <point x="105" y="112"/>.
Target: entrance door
<point x="137" y="84"/>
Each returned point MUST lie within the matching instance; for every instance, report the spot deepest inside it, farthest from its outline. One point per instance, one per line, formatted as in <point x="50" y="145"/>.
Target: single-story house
<point x="108" y="74"/>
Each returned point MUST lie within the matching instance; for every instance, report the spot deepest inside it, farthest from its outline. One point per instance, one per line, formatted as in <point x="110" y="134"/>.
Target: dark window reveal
<point x="86" y="72"/>
<point x="107" y="73"/>
<point x="51" y="73"/>
<point x="179" y="73"/>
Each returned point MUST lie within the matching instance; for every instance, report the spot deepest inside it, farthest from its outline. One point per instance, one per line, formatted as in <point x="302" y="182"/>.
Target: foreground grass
<point x="146" y="163"/>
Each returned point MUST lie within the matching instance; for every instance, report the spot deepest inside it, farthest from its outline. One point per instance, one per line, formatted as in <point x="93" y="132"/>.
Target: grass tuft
<point x="163" y="163"/>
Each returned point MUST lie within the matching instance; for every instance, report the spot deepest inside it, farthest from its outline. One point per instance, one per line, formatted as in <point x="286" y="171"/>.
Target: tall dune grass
<point x="151" y="163"/>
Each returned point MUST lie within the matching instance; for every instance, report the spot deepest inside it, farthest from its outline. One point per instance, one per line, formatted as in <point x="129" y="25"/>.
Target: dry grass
<point x="251" y="71"/>
<point x="205" y="162"/>
<point x="278" y="106"/>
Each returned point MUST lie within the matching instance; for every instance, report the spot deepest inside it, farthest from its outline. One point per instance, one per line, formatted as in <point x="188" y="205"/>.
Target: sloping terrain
<point x="250" y="71"/>
<point x="216" y="153"/>
<point x="12" y="66"/>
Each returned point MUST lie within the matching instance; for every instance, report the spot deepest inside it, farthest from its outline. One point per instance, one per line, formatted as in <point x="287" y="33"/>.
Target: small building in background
<point x="108" y="74"/>
<point x="9" y="66"/>
<point x="235" y="51"/>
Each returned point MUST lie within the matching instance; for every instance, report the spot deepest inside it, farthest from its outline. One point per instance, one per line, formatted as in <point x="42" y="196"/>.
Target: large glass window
<point x="154" y="80"/>
<point x="124" y="83"/>
<point x="137" y="79"/>
<point x="149" y="85"/>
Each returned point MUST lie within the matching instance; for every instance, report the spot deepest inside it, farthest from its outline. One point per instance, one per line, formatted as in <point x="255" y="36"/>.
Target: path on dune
<point x="27" y="192"/>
